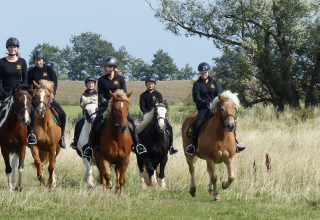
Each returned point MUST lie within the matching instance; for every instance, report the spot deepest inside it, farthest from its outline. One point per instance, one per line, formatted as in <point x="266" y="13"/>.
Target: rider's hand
<point x="206" y="104"/>
<point x="104" y="102"/>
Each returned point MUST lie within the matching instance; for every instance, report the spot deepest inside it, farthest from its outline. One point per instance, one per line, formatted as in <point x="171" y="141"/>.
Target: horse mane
<point x="24" y="87"/>
<point x="47" y="84"/>
<point x="86" y="100"/>
<point x="119" y="93"/>
<point x="229" y="96"/>
<point x="147" y="120"/>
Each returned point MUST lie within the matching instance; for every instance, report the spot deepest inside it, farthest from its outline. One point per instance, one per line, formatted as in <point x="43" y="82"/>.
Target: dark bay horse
<point x="154" y="137"/>
<point x="13" y="133"/>
<point x="115" y="141"/>
<point x="216" y="143"/>
<point x="47" y="131"/>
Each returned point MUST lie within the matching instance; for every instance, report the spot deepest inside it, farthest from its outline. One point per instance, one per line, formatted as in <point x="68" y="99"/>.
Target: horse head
<point x="120" y="109"/>
<point x="89" y="106"/>
<point x="22" y="96"/>
<point x="160" y="112"/>
<point x="44" y="96"/>
<point x="226" y="109"/>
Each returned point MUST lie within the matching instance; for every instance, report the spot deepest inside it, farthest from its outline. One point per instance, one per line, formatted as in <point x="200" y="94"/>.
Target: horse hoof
<point x="224" y="187"/>
<point x="90" y="186"/>
<point x="193" y="192"/>
<point x="52" y="185"/>
<point x="109" y="185"/>
<point x="210" y="191"/>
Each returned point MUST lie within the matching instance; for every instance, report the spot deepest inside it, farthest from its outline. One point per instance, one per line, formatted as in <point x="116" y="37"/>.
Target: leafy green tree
<point x="163" y="67"/>
<point x="138" y="69"/>
<point x="185" y="73"/>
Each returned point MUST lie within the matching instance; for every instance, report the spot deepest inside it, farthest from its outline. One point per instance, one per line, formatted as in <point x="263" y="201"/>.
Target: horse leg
<point x="21" y="153"/>
<point x="213" y="180"/>
<point x="14" y="164"/>
<point x="151" y="173"/>
<point x="193" y="186"/>
<point x="122" y="173"/>
<point x="231" y="176"/>
<point x="88" y="177"/>
<point x="161" y="180"/>
<point x="117" y="171"/>
<point x="105" y="174"/>
<point x="142" y="174"/>
<point x="52" y="183"/>
<point x="37" y="162"/>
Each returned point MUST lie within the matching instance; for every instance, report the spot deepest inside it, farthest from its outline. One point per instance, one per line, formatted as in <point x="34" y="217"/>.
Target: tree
<point x="267" y="33"/>
<point x="138" y="69"/>
<point x="185" y="73"/>
<point x="163" y="66"/>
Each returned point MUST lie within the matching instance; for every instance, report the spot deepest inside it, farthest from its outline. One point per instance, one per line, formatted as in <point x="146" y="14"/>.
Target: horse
<point x="153" y="136"/>
<point x="115" y="141"/>
<point x="216" y="142"/>
<point x="13" y="133"/>
<point x="89" y="106"/>
<point x="47" y="131"/>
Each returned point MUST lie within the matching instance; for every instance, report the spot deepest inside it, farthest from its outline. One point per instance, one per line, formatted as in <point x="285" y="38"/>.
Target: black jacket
<point x="203" y="92"/>
<point x="46" y="72"/>
<point x="148" y="99"/>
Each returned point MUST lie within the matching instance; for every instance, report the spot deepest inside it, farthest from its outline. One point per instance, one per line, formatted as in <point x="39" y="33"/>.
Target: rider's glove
<point x="206" y="104"/>
<point x="104" y="102"/>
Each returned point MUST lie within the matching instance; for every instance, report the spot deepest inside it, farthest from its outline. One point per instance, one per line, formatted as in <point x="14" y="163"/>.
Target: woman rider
<point x="111" y="81"/>
<point x="13" y="69"/>
<point x="204" y="91"/>
<point x="147" y="100"/>
<point x="90" y="83"/>
<point x="43" y="71"/>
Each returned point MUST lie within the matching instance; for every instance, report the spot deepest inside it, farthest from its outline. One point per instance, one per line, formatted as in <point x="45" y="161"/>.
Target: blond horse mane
<point x="86" y="100"/>
<point x="47" y="84"/>
<point x="119" y="94"/>
<point x="146" y="122"/>
<point x="229" y="96"/>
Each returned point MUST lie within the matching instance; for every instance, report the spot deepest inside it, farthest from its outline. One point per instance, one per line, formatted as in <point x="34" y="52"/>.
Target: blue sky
<point x="129" y="23"/>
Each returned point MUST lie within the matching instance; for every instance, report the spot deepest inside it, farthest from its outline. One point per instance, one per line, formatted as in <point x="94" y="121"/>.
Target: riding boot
<point x="172" y="149"/>
<point x="63" y="126"/>
<point x="191" y="149"/>
<point x="77" y="131"/>
<point x="96" y="126"/>
<point x="240" y="147"/>
<point x="32" y="139"/>
<point x="136" y="142"/>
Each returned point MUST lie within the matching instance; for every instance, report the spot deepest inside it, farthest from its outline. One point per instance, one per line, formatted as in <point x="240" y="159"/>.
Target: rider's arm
<point x="24" y="76"/>
<point x="142" y="104"/>
<point x="53" y="77"/>
<point x="218" y="88"/>
<point x="123" y="84"/>
<point x="1" y="87"/>
<point x="100" y="92"/>
<point x="196" y="95"/>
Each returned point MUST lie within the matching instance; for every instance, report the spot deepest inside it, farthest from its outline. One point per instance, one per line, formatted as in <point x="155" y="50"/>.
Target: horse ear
<point x="129" y="94"/>
<point x="36" y="84"/>
<point x="31" y="86"/>
<point x="220" y="98"/>
<point x="165" y="103"/>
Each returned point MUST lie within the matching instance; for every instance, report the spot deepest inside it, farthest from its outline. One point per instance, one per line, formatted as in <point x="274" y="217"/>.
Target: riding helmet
<point x="110" y="61"/>
<point x="12" y="41"/>
<point x="151" y="79"/>
<point x="38" y="55"/>
<point x="90" y="78"/>
<point x="204" y="67"/>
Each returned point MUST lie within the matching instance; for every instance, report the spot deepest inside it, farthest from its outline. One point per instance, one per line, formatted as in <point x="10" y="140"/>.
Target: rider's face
<point x="38" y="62"/>
<point x="12" y="49"/>
<point x="150" y="85"/>
<point x="108" y="69"/>
<point x="204" y="75"/>
<point x="90" y="85"/>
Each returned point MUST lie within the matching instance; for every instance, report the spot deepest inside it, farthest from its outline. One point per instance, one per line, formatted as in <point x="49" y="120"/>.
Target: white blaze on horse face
<point x="161" y="116"/>
<point x="26" y="112"/>
<point x="42" y="94"/>
<point x="121" y="104"/>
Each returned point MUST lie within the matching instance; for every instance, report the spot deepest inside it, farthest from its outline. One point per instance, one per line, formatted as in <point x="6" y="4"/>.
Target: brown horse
<point x="47" y="131"/>
<point x="216" y="142"/>
<point x="115" y="141"/>
<point x="13" y="133"/>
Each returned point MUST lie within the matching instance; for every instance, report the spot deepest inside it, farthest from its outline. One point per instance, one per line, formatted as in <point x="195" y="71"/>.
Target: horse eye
<point x="222" y="109"/>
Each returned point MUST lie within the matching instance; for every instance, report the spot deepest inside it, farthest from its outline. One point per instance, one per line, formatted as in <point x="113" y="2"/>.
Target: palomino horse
<point x="216" y="143"/>
<point x="47" y="131"/>
<point x="115" y="141"/>
<point x="89" y="106"/>
<point x="13" y="132"/>
<point x="153" y="136"/>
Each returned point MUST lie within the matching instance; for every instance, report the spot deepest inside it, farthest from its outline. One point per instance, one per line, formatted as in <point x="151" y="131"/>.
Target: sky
<point x="128" y="23"/>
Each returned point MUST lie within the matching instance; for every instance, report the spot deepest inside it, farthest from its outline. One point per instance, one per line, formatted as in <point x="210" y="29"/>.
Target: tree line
<point x="83" y="58"/>
<point x="271" y="48"/>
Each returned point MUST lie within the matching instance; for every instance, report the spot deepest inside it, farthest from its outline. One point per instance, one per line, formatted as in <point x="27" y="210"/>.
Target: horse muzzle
<point x="24" y="122"/>
<point x="123" y="128"/>
<point x="41" y="112"/>
<point x="230" y="125"/>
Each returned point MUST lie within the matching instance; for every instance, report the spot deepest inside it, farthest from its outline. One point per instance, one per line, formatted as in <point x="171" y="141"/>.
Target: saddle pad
<point x="189" y="131"/>
<point x="56" y="115"/>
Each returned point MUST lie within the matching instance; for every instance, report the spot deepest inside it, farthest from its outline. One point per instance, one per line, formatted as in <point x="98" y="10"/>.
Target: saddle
<point x="56" y="115"/>
<point x="198" y="127"/>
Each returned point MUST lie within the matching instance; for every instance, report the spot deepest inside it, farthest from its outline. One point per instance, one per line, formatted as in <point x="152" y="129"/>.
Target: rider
<point x="13" y="69"/>
<point x="204" y="91"/>
<point x="90" y="83"/>
<point x="111" y="81"/>
<point x="147" y="100"/>
<point x="43" y="71"/>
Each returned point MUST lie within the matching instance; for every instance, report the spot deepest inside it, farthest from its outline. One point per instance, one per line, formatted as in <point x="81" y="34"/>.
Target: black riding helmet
<point x="12" y="41"/>
<point x="151" y="79"/>
<point x="38" y="55"/>
<point x="110" y="61"/>
<point x="90" y="78"/>
<point x="204" y="67"/>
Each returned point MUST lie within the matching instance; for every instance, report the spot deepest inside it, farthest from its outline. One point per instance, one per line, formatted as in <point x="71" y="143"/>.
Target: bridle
<point x="46" y="105"/>
<point x="89" y="117"/>
<point x="114" y="120"/>
<point x="156" y="122"/>
<point x="13" y="107"/>
<point x="220" y="117"/>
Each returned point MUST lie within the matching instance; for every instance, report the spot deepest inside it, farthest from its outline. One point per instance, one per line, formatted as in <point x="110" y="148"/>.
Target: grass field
<point x="291" y="190"/>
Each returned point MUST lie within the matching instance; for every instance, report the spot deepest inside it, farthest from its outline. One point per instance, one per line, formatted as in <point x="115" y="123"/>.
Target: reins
<point x="13" y="108"/>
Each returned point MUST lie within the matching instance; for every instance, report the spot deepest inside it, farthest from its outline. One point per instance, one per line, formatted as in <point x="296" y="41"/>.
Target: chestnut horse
<point x="115" y="141"/>
<point x="48" y="133"/>
<point x="216" y="142"/>
<point x="13" y="132"/>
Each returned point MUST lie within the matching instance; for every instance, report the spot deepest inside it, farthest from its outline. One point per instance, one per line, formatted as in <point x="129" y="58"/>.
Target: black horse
<point x="153" y="135"/>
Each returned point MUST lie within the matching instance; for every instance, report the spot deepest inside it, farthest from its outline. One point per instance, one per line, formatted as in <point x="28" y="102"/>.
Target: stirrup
<point x="240" y="148"/>
<point x="190" y="149"/>
<point x="141" y="150"/>
<point x="33" y="138"/>
<point x="172" y="150"/>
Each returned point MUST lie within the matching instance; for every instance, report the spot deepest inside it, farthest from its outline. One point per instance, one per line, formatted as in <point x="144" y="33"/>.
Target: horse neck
<point x="220" y="128"/>
<point x="47" y="117"/>
<point x="86" y="125"/>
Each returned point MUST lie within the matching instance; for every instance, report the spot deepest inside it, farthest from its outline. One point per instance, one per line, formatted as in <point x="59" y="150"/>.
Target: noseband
<point x="156" y="122"/>
<point x="46" y="105"/>
<point x="17" y="113"/>
<point x="221" y="118"/>
<point x="114" y="120"/>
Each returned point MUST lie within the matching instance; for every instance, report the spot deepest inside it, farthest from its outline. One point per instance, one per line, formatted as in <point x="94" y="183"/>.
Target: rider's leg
<point x="77" y="131"/>
<point x="135" y="138"/>
<point x="172" y="150"/>
<point x="92" y="136"/>
<point x="63" y="119"/>
<point x="32" y="139"/>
